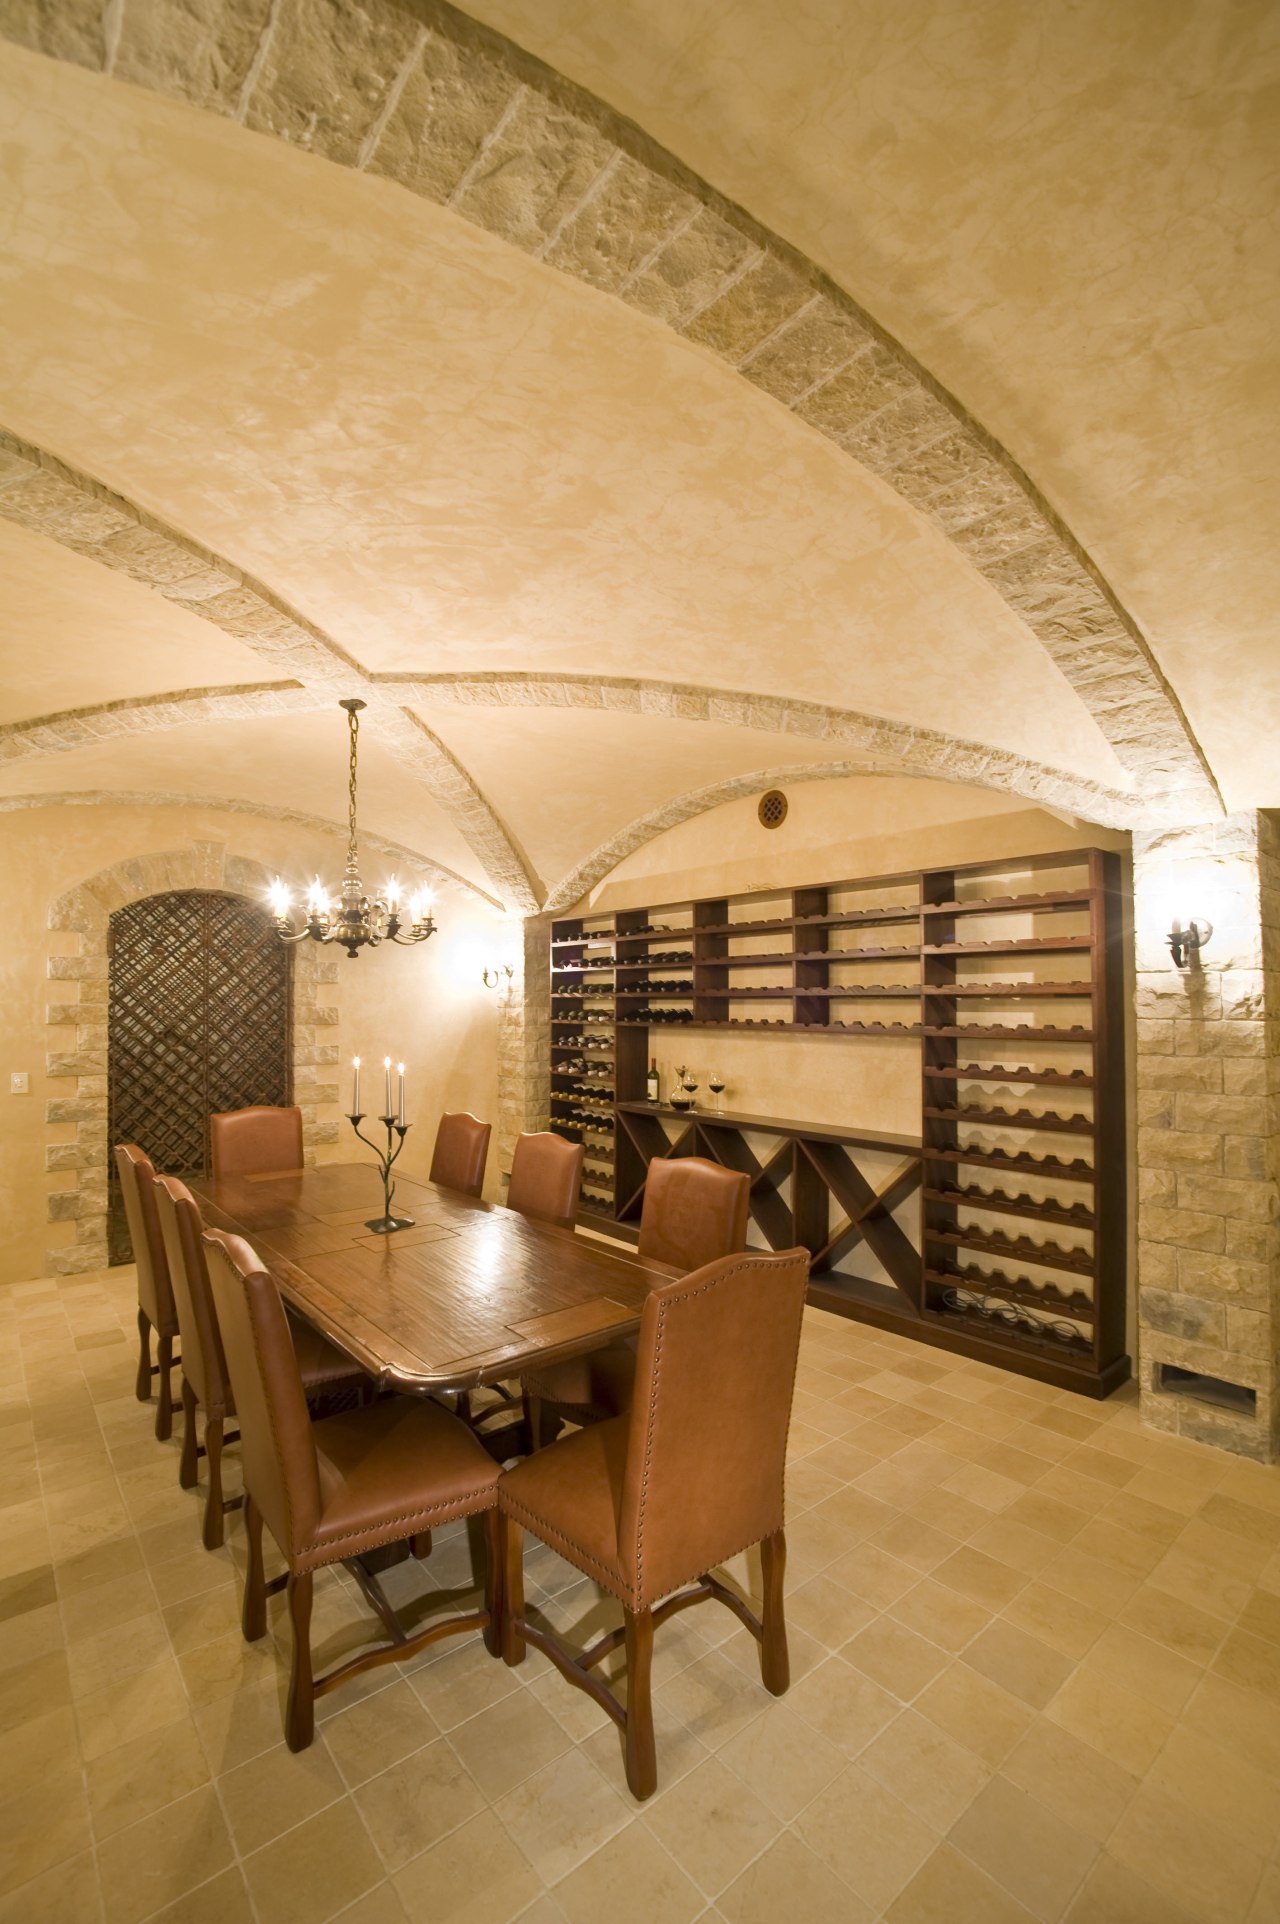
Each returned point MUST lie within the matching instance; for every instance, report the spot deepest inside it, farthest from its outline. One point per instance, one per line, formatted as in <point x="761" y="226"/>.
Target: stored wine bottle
<point x="651" y="1081"/>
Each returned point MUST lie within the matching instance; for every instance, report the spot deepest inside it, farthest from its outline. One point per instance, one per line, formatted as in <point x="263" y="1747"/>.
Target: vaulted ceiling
<point x="636" y="400"/>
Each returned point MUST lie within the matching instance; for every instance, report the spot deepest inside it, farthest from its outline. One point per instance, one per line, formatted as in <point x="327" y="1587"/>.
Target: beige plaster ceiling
<point x="1068" y="214"/>
<point x="72" y="635"/>
<point x="298" y="762"/>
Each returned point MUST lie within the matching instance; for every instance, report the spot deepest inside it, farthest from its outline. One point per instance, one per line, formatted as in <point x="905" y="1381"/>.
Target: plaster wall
<point x="426" y="1005"/>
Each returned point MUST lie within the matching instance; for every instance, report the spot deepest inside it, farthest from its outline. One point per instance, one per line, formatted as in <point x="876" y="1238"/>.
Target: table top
<point x="472" y="1294"/>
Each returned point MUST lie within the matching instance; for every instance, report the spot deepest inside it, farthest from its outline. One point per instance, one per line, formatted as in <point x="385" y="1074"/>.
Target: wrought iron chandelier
<point x="357" y="923"/>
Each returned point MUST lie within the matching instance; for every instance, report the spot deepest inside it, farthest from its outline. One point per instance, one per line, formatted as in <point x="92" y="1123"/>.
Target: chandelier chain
<point x="354" y="721"/>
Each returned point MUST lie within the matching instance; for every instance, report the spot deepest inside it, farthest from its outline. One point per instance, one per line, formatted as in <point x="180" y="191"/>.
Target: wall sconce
<point x="492" y="977"/>
<point x="1185" y="944"/>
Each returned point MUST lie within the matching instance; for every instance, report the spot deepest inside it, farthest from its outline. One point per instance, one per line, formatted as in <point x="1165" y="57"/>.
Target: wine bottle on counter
<point x="651" y="1090"/>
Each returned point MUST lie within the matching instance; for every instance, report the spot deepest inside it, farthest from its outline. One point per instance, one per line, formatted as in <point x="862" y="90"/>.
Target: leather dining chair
<point x="694" y="1210"/>
<point x="334" y="1490"/>
<point x="323" y="1368"/>
<point x="156" y="1308"/>
<point x="546" y="1175"/>
<point x="461" y="1152"/>
<point x="648" y="1504"/>
<point x="255" y="1141"/>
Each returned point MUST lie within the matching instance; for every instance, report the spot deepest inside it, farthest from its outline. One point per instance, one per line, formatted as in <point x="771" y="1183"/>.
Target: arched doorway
<point x="199" y="1018"/>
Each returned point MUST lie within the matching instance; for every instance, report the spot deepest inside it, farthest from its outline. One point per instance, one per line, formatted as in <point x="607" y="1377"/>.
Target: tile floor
<point x="1036" y="1653"/>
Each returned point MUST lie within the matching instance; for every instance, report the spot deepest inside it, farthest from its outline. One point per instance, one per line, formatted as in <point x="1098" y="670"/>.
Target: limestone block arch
<point x="85" y="912"/>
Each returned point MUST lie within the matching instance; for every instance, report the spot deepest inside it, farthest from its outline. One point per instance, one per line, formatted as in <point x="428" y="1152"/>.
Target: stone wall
<point x="1208" y="1122"/>
<point x="524" y="1038"/>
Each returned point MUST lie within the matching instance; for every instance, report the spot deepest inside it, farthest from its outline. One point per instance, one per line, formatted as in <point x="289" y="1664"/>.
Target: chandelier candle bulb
<point x="386" y="1063"/>
<point x="355" y="1086"/>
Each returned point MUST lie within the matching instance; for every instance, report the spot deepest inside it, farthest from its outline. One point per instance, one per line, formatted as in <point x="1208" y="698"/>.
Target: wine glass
<point x="716" y="1084"/>
<point x="691" y="1087"/>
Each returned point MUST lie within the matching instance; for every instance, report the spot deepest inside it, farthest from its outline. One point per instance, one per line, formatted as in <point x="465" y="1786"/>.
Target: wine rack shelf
<point x="1018" y="1027"/>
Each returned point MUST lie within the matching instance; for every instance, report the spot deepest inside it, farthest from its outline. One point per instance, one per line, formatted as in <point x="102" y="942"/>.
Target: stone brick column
<point x="1208" y="1079"/>
<point x="524" y="1038"/>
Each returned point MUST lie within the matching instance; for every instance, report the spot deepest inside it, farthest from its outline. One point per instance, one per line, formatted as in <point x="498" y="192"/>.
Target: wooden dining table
<point x="471" y="1295"/>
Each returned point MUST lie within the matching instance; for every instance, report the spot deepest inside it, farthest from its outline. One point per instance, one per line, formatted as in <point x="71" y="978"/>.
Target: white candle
<point x="355" y="1086"/>
<point x="386" y="1063"/>
<point x="402" y="1095"/>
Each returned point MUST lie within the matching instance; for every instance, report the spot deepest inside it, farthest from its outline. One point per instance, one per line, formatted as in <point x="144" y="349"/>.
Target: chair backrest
<point x="715" y="1372"/>
<point x="181" y="1226"/>
<point x="276" y="1444"/>
<point x="461" y="1151"/>
<point x="693" y="1211"/>
<point x="137" y="1186"/>
<point x="255" y="1141"/>
<point x="546" y="1175"/>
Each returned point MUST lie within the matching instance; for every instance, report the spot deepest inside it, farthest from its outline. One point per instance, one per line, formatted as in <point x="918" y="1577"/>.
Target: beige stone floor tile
<point x="1193" y="1579"/>
<point x="712" y="1699"/>
<point x="1242" y="1723"/>
<point x="1189" y="1632"/>
<point x="789" y="1880"/>
<point x="1060" y="1621"/>
<point x="975" y="1712"/>
<point x="1251" y="1662"/>
<point x="873" y="1575"/>
<point x="1113" y="1894"/>
<point x="91" y="1613"/>
<point x="367" y="1737"/>
<point x="1221" y="1786"/>
<point x="134" y="1779"/>
<point x="930" y="1773"/>
<point x="678" y="1750"/>
<point x="562" y="1813"/>
<point x="461" y="1682"/>
<point x="946" y="1618"/>
<point x="155" y="1862"/>
<point x="1128" y="1729"/>
<point x="43" y="1824"/>
<point x="241" y="1725"/>
<point x="103" y="1563"/>
<point x="949" y="1889"/>
<point x="508" y="1742"/>
<point x="223" y="1900"/>
<point x="191" y="1574"/>
<point x="1261" y="1616"/>
<point x="312" y="1873"/>
<point x="914" y="1542"/>
<point x="1266" y="1902"/>
<point x="417" y="1801"/>
<point x="1246" y="1520"/>
<point x="871" y="1840"/>
<point x="980" y="1577"/>
<point x="36" y="1633"/>
<point x="1024" y="1846"/>
<point x="68" y="1894"/>
<point x="1185" y="1853"/>
<point x="1097" y="1582"/>
<point x="224" y="1665"/>
<point x="275" y="1791"/>
<point x="1148" y="1669"/>
<point x="475" y="1875"/>
<point x="1019" y="1662"/>
<point x="572" y="1709"/>
<point x="1072" y="1779"/>
<point x="630" y="1876"/>
<point x="32" y="1689"/>
<point x="198" y="1620"/>
<point x="954" y="1515"/>
<point x="711" y="1823"/>
<point x="843" y="1704"/>
<point x="825" y="1610"/>
<point x="783" y="1760"/>
<point x="122" y="1652"/>
<point x="1015" y="1543"/>
<point x="1243" y="1555"/>
<point x="895" y="1657"/>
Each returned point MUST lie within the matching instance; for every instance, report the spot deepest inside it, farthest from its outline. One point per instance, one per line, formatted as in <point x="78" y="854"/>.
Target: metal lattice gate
<point x="199" y="1019"/>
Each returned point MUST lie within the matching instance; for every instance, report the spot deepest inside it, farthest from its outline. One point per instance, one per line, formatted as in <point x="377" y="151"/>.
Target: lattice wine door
<point x="199" y="1018"/>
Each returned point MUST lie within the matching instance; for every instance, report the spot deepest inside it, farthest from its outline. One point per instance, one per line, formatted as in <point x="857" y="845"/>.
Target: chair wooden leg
<point x="142" y="1385"/>
<point x="775" y="1665"/>
<point x="642" y="1761"/>
<point x="214" y="1527"/>
<point x="420" y="1545"/>
<point x="253" y="1619"/>
<point x="188" y="1465"/>
<point x="511" y="1552"/>
<point x="300" y="1714"/>
<point x="495" y="1558"/>
<point x="164" y="1406"/>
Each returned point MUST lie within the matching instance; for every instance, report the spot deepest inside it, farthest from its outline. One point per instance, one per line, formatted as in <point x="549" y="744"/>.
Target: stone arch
<point x="422" y="94"/>
<point x="85" y="911"/>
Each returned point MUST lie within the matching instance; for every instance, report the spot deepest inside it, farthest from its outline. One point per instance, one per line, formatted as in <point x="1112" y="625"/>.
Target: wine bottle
<point x="651" y="1081"/>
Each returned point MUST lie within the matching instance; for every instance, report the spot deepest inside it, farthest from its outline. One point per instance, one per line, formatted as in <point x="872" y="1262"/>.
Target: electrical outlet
<point x="19" y="1083"/>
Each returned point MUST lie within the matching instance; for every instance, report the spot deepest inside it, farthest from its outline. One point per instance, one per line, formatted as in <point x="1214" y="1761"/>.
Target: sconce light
<point x="492" y="977"/>
<point x="1185" y="944"/>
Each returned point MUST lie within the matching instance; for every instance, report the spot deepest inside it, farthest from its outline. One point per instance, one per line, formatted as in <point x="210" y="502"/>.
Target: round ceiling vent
<point x="773" y="809"/>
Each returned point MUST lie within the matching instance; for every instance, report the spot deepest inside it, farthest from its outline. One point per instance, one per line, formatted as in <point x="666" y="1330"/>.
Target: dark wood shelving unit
<point x="985" y="1280"/>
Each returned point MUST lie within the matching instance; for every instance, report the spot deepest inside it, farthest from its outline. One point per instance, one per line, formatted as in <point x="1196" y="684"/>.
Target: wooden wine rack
<point x="1021" y="1155"/>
